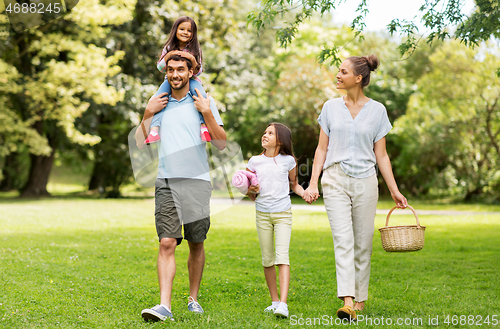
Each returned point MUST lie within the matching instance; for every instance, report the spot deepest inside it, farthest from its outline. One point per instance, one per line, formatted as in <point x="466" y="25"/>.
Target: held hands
<point x="201" y="103"/>
<point x="253" y="191"/>
<point x="311" y="194"/>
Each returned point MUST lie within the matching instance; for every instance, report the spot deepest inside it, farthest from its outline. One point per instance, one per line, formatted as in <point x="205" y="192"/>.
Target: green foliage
<point x="438" y="17"/>
<point x="13" y="130"/>
<point x="482" y="24"/>
<point x="78" y="86"/>
<point x="450" y="135"/>
<point x="57" y="72"/>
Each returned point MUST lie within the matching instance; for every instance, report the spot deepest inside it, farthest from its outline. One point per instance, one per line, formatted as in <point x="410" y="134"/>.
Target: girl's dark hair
<point x="283" y="138"/>
<point x="363" y="66"/>
<point x="193" y="46"/>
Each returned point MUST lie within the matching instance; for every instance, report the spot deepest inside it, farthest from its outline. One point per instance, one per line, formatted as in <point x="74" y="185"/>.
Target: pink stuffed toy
<point x="244" y="178"/>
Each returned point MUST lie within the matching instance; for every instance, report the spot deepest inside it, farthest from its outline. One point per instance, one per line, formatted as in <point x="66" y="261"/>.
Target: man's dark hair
<point x="180" y="58"/>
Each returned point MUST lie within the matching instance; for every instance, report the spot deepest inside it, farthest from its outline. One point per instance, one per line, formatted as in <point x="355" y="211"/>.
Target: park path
<point x="321" y="208"/>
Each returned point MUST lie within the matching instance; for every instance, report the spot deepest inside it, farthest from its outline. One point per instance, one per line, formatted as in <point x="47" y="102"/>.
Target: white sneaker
<point x="194" y="306"/>
<point x="270" y="309"/>
<point x="281" y="310"/>
<point x="157" y="313"/>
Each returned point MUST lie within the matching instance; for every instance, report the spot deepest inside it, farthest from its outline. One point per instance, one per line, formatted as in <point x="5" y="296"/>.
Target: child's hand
<point x="253" y="191"/>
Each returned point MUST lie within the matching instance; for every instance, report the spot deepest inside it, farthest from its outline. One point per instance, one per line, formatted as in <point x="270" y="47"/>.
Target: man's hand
<point x="156" y="104"/>
<point x="201" y="103"/>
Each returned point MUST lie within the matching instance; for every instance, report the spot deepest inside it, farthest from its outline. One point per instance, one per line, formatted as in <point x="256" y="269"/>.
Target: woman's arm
<point x="384" y="165"/>
<point x="294" y="182"/>
<point x="312" y="193"/>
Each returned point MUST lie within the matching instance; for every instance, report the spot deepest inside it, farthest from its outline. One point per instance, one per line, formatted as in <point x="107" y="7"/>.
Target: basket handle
<point x="411" y="208"/>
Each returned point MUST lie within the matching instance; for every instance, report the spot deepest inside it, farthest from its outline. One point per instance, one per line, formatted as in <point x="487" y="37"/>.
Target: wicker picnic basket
<point x="402" y="238"/>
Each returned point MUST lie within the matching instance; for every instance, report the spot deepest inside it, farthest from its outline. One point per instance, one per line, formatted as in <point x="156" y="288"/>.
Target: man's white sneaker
<point x="157" y="313"/>
<point x="281" y="310"/>
<point x="194" y="306"/>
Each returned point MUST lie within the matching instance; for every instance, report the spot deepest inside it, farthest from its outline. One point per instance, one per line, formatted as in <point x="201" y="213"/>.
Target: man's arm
<point x="155" y="104"/>
<point x="217" y="132"/>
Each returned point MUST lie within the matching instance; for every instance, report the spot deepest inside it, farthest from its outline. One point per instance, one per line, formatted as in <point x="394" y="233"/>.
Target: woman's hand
<point x="253" y="191"/>
<point x="400" y="200"/>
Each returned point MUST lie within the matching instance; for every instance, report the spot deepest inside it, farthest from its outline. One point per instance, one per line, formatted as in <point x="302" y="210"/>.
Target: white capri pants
<point x="351" y="204"/>
<point x="274" y="227"/>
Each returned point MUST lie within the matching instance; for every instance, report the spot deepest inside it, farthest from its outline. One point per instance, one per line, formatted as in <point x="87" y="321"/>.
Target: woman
<point x="351" y="143"/>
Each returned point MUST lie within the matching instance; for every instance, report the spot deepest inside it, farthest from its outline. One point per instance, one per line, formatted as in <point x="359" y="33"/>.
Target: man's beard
<point x="179" y="86"/>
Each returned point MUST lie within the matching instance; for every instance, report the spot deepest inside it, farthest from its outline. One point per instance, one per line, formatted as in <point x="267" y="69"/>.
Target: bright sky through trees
<point x="381" y="12"/>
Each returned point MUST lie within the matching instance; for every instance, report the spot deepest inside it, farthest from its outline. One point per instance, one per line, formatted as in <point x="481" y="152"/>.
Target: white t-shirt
<point x="272" y="174"/>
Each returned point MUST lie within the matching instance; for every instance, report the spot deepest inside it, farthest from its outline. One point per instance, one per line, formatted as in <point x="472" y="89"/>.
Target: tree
<point x="439" y="16"/>
<point x="450" y="135"/>
<point x="16" y="135"/>
<point x="58" y="72"/>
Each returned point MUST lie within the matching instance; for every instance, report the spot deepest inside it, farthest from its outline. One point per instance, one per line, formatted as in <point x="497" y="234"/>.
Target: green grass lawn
<point x="83" y="263"/>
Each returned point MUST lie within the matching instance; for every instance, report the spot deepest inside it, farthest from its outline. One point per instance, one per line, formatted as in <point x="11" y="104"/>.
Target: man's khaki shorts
<point x="182" y="202"/>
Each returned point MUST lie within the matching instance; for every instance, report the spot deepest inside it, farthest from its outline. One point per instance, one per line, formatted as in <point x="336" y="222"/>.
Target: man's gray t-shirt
<point x="182" y="153"/>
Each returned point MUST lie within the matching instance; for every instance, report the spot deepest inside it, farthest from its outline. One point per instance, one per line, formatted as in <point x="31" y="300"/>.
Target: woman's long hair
<point x="193" y="46"/>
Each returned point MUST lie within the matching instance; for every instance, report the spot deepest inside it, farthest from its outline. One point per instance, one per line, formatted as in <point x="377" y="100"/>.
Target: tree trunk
<point x="8" y="182"/>
<point x="97" y="179"/>
<point x="40" y="169"/>
<point x="39" y="176"/>
<point x="471" y="194"/>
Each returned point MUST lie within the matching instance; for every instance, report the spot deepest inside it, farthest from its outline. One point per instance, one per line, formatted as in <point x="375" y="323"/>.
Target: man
<point x="182" y="187"/>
